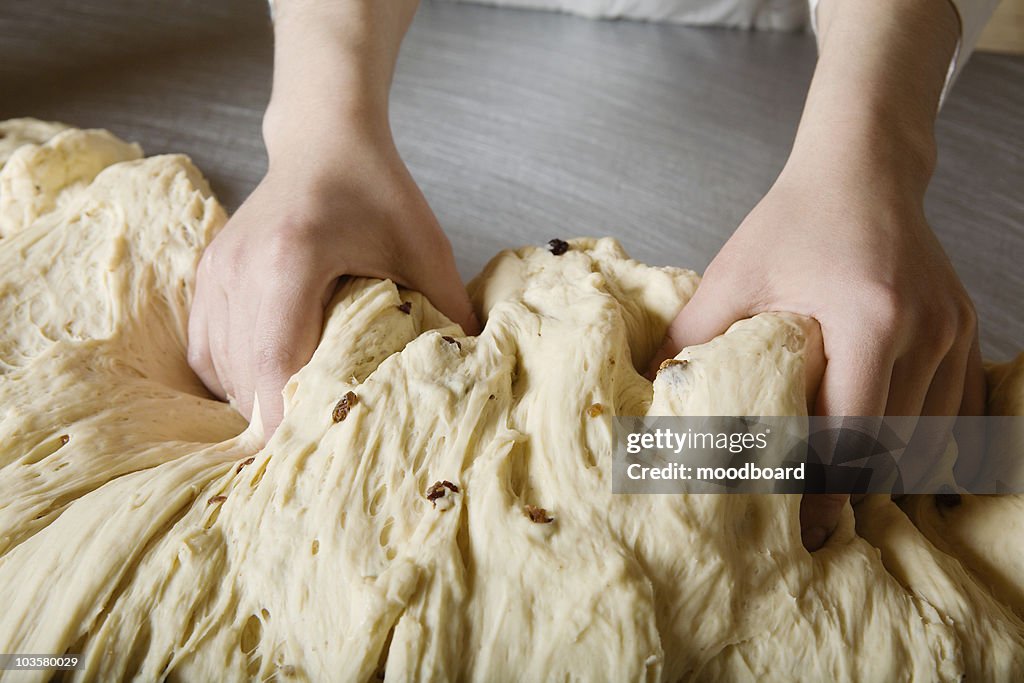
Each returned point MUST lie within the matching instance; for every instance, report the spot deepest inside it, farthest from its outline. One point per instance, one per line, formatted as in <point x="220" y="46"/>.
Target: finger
<point x="237" y="352"/>
<point x="814" y="362"/>
<point x="288" y="327"/>
<point x="942" y="401"/>
<point x="450" y="298"/>
<point x="199" y="356"/>
<point x="915" y="373"/>
<point x="946" y="393"/>
<point x="446" y="291"/>
<point x="921" y="444"/>
<point x="234" y="344"/>
<point x="933" y="431"/>
<point x="706" y="316"/>
<point x="855" y="383"/>
<point x="970" y="436"/>
<point x="218" y="328"/>
<point x="973" y="402"/>
<point x="856" y="380"/>
<point x="819" y="514"/>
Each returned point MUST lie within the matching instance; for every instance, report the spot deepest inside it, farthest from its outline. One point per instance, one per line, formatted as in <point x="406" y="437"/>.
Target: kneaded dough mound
<point x="142" y="526"/>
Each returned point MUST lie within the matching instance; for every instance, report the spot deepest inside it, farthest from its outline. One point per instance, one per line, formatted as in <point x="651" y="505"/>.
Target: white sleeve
<point x="973" y="14"/>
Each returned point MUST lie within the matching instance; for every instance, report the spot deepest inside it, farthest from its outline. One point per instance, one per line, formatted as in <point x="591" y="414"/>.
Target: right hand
<point x="347" y="208"/>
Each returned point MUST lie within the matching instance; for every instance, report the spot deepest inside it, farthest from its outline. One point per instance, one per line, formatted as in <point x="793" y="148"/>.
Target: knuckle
<point x="221" y="263"/>
<point x="273" y="359"/>
<point x="887" y="308"/>
<point x="940" y="330"/>
<point x="881" y="327"/>
<point x="945" y="324"/>
<point x="286" y="252"/>
<point x="967" y="317"/>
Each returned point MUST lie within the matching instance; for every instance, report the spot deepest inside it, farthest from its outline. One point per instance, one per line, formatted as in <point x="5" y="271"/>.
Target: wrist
<point x="870" y="110"/>
<point x="320" y="171"/>
<point x="314" y="128"/>
<point x="865" y="145"/>
<point x="323" y="162"/>
<point x="333" y="64"/>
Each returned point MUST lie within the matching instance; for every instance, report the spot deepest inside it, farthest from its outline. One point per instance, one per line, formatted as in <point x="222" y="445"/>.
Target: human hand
<point x="264" y="281"/>
<point x="337" y="200"/>
<point x="849" y="246"/>
<point x="842" y="238"/>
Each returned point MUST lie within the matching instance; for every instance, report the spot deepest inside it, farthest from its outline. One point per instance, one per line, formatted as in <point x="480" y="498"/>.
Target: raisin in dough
<point x="142" y="526"/>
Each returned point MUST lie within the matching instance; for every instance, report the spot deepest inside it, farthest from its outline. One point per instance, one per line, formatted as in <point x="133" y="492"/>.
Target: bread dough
<point x="15" y="133"/>
<point x="142" y="526"/>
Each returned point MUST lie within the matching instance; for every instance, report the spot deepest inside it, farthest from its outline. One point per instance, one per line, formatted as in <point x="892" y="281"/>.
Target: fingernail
<point x="814" y="537"/>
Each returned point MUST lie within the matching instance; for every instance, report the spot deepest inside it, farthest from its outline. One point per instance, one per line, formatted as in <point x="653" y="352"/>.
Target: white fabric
<point x="973" y="14"/>
<point x="786" y="15"/>
<point x="783" y="15"/>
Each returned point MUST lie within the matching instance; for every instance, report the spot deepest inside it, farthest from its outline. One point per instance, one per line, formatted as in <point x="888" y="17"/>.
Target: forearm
<point x="333" y="64"/>
<point x="876" y="88"/>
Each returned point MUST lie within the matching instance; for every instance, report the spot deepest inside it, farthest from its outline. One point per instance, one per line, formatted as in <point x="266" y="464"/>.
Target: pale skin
<point x="840" y="237"/>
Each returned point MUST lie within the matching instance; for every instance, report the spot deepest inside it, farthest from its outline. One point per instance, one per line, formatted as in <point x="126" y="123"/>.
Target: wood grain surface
<point x="523" y="126"/>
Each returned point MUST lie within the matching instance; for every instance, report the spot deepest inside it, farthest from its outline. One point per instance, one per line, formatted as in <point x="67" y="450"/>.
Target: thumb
<point x="288" y="329"/>
<point x="704" y="317"/>
<point x="445" y="290"/>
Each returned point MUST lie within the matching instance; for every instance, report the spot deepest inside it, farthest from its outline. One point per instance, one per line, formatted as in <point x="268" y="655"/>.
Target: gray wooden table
<point x="522" y="126"/>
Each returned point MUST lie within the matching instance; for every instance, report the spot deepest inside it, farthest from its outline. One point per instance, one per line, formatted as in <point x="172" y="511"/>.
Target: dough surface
<point x="142" y="526"/>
